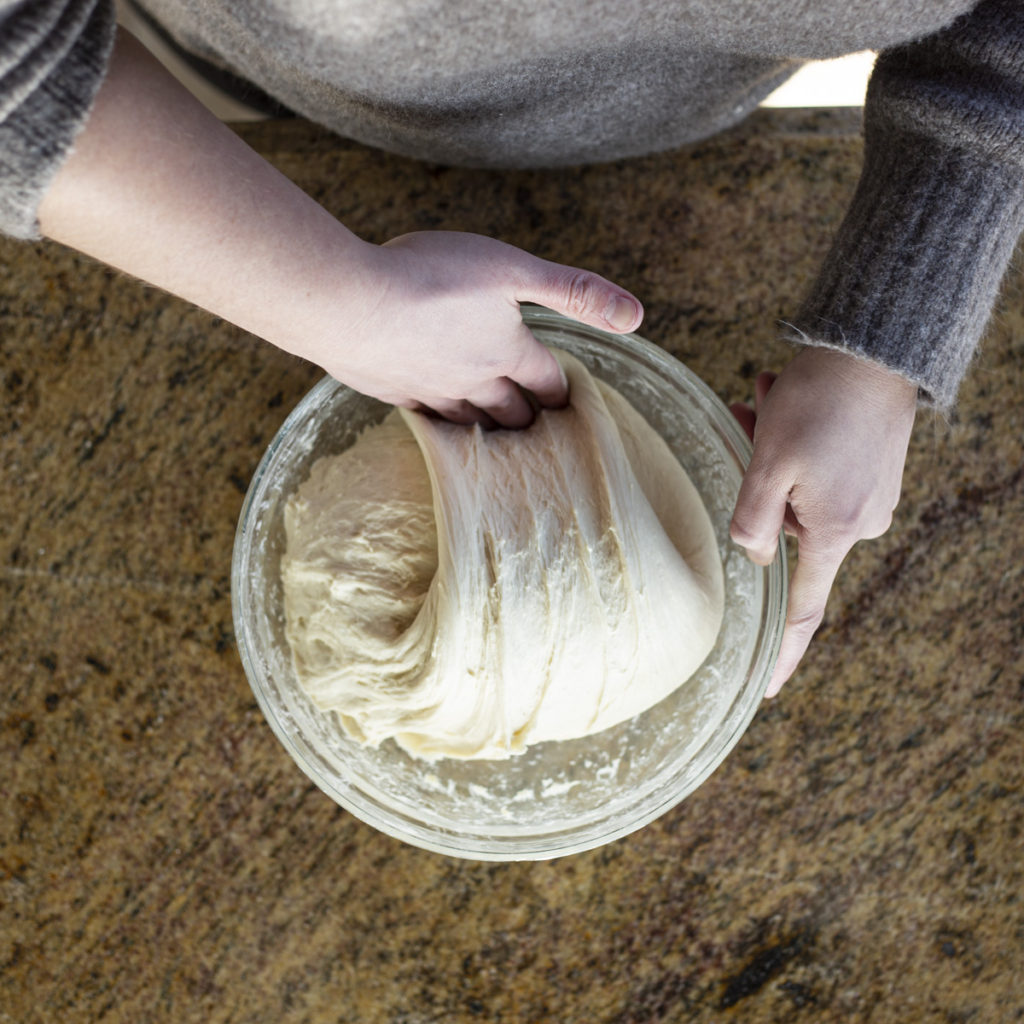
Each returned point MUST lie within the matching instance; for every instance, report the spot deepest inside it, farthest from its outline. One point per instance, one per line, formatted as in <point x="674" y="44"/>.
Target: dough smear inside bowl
<point x="469" y="593"/>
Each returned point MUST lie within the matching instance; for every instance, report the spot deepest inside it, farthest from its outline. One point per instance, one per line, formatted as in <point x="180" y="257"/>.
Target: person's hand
<point x="830" y="439"/>
<point x="159" y="188"/>
<point x="441" y="327"/>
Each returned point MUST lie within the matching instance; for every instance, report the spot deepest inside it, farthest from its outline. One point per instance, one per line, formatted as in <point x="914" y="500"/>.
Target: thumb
<point x="759" y="515"/>
<point x="581" y="295"/>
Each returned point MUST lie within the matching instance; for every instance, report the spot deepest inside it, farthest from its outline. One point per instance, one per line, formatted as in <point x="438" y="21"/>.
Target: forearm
<point x="158" y="187"/>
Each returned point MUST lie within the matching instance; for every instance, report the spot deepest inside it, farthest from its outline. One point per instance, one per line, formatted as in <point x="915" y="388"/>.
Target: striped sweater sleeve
<point x="53" y="54"/>
<point x="916" y="266"/>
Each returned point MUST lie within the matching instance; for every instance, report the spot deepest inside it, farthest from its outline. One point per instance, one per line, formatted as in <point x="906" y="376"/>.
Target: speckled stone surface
<point x="857" y="858"/>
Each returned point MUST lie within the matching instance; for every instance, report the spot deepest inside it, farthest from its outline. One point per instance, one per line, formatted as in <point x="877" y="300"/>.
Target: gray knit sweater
<point x="915" y="268"/>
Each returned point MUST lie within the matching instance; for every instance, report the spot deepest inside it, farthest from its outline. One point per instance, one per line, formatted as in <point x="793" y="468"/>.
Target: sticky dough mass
<point x="469" y="593"/>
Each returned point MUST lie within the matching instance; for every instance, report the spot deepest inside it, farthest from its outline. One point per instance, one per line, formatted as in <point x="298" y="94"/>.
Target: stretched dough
<point x="469" y="593"/>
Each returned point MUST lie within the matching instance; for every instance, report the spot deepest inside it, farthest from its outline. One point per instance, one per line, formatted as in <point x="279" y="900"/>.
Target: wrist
<point x="161" y="189"/>
<point x="873" y="381"/>
<point x="311" y="296"/>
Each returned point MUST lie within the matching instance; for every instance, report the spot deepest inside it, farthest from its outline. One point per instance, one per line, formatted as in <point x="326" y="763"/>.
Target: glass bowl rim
<point x="476" y="846"/>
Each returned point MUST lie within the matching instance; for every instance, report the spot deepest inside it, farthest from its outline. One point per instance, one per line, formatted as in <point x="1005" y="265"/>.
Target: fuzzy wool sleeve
<point x="53" y="54"/>
<point x="915" y="269"/>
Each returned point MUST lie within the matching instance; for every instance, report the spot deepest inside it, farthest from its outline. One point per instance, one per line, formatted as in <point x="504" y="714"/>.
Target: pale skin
<point x="830" y="439"/>
<point x="158" y="187"/>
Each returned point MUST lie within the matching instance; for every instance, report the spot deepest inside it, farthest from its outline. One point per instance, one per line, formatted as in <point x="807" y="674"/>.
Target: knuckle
<point x="517" y="361"/>
<point x="848" y="520"/>
<point x="861" y="521"/>
<point x="580" y="293"/>
<point x="741" y="533"/>
<point x="879" y="525"/>
<point x="747" y="537"/>
<point x="770" y="477"/>
<point x="845" y="531"/>
<point x="500" y="399"/>
<point x="804" y="623"/>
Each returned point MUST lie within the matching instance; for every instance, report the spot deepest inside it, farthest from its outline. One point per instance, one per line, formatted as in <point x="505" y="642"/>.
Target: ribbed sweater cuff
<point x="52" y="73"/>
<point x="915" y="269"/>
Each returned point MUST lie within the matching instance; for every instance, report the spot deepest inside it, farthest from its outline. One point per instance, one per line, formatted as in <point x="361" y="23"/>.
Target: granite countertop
<point x="859" y="855"/>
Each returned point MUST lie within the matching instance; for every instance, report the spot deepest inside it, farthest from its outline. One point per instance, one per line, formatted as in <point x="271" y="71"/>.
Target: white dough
<point x="471" y="592"/>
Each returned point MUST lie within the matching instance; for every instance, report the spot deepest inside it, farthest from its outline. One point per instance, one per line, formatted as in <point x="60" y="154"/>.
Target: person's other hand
<point x="830" y="439"/>
<point x="441" y="327"/>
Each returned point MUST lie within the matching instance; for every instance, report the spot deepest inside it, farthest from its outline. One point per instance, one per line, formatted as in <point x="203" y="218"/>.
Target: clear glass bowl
<point x="556" y="798"/>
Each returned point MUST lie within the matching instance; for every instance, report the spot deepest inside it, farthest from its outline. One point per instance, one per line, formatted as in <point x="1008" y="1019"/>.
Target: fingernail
<point x="621" y="312"/>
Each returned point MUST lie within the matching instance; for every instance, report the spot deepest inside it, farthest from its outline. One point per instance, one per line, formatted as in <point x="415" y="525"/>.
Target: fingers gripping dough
<point x="469" y="593"/>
